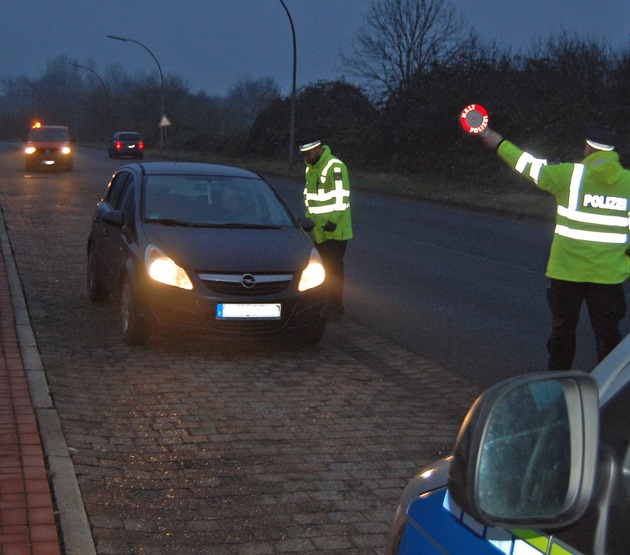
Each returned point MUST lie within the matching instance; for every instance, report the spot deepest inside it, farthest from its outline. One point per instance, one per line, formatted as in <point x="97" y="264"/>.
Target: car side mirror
<point x="307" y="224"/>
<point x="526" y="454"/>
<point x="114" y="217"/>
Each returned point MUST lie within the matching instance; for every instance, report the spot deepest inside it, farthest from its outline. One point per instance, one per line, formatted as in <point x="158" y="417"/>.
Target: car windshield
<point x="49" y="134"/>
<point x="212" y="201"/>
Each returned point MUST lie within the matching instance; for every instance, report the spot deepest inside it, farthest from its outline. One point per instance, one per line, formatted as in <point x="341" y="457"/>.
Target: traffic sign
<point x="165" y="122"/>
<point x="474" y="119"/>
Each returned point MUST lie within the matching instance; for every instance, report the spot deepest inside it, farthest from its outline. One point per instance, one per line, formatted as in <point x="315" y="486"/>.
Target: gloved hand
<point x="329" y="226"/>
<point x="490" y="138"/>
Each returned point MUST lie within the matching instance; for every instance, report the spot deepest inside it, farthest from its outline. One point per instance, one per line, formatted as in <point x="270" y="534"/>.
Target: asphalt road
<point x="464" y="289"/>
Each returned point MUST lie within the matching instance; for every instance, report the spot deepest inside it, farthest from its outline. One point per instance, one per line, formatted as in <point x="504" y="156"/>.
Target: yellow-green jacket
<point x="327" y="197"/>
<point x="593" y="203"/>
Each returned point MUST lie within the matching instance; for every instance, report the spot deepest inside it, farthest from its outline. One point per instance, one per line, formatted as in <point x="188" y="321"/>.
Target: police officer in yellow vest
<point x="588" y="259"/>
<point x="327" y="200"/>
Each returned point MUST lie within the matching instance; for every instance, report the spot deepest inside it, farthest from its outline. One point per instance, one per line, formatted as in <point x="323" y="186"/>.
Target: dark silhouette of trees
<point x="544" y="99"/>
<point x="399" y="39"/>
<point x="335" y="111"/>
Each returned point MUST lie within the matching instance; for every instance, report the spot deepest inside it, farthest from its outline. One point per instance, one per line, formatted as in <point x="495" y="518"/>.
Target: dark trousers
<point x="332" y="253"/>
<point x="606" y="307"/>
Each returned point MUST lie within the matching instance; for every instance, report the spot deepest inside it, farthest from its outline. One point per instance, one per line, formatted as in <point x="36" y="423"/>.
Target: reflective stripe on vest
<point x="572" y="213"/>
<point x="535" y="167"/>
<point x="339" y="195"/>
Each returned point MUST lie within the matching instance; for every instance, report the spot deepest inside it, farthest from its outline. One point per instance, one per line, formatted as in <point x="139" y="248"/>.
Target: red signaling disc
<point x="474" y="119"/>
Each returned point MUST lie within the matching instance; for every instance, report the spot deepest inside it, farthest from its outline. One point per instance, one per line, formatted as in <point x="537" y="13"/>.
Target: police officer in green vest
<point x="327" y="200"/>
<point x="588" y="259"/>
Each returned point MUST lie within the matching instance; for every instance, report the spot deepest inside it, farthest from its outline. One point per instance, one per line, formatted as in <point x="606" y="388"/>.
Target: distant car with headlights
<point x="48" y="147"/>
<point x="207" y="249"/>
<point x="126" y="143"/>
<point x="541" y="465"/>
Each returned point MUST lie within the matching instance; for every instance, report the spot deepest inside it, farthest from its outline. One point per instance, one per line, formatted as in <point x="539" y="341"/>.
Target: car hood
<point x="232" y="250"/>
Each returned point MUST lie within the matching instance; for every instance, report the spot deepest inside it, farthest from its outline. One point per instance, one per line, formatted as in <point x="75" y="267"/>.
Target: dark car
<point x="204" y="248"/>
<point x="541" y="465"/>
<point x="48" y="147"/>
<point x="126" y="143"/>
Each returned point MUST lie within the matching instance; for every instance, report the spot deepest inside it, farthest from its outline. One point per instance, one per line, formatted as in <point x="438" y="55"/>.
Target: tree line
<point x="413" y="67"/>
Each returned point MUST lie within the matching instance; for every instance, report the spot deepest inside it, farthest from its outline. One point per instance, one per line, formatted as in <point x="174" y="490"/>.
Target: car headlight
<point x="30" y="150"/>
<point x="162" y="268"/>
<point x="314" y="274"/>
<point x="66" y="150"/>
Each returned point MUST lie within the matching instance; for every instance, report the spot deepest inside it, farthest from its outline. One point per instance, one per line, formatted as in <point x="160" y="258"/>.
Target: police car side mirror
<point x="526" y="454"/>
<point x="114" y="217"/>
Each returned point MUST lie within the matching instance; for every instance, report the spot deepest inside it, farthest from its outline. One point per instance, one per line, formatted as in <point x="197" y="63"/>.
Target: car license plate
<point x="270" y="311"/>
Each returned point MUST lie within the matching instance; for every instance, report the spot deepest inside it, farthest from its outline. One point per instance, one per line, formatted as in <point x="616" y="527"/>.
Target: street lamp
<point x="162" y="129"/>
<point x="292" y="124"/>
<point x="107" y="130"/>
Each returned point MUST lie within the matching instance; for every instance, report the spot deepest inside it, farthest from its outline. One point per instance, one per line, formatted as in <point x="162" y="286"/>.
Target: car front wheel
<point x="133" y="324"/>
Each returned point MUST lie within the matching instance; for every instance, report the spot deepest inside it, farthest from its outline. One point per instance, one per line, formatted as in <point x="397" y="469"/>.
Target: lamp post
<point x="292" y="123"/>
<point x="107" y="122"/>
<point x="162" y="129"/>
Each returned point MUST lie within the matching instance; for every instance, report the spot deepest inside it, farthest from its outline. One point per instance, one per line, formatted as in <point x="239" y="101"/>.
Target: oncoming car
<point x="48" y="147"/>
<point x="541" y="465"/>
<point x="206" y="249"/>
<point x="126" y="143"/>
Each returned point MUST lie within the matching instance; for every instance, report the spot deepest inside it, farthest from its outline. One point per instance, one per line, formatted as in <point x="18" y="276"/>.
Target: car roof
<point x="126" y="133"/>
<point x="191" y="168"/>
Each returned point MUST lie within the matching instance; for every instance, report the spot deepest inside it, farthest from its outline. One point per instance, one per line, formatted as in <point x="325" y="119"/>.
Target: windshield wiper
<point x="172" y="222"/>
<point x="169" y="221"/>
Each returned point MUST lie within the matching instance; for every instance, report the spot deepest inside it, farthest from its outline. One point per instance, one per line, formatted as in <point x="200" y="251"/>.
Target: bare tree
<point x="248" y="98"/>
<point x="400" y="38"/>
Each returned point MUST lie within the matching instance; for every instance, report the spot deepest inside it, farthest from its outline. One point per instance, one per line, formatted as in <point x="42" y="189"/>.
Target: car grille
<point x="247" y="284"/>
<point x="244" y="327"/>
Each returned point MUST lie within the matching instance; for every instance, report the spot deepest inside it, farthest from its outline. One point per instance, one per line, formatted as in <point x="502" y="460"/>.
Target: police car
<point x="541" y="465"/>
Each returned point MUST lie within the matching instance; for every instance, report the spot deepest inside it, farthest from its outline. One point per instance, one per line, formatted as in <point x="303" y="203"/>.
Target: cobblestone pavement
<point x="187" y="447"/>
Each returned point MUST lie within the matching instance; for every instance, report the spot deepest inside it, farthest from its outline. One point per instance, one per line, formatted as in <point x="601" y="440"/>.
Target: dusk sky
<point x="213" y="44"/>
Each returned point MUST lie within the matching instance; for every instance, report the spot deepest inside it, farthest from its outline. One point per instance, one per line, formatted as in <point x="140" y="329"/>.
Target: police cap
<point x="601" y="139"/>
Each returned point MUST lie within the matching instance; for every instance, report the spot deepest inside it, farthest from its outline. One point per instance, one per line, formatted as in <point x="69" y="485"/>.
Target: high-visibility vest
<point x="592" y="215"/>
<point x="327" y="197"/>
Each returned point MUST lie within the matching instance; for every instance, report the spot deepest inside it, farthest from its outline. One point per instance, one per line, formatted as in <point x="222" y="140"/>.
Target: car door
<point x="116" y="215"/>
